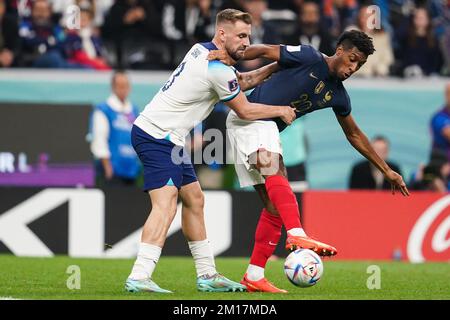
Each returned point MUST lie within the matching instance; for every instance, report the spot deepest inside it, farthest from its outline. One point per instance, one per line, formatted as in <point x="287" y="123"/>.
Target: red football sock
<point x="284" y="200"/>
<point x="267" y="235"/>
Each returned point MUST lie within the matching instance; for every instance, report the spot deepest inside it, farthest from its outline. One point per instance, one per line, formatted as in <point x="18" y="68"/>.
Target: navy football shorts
<point x="164" y="162"/>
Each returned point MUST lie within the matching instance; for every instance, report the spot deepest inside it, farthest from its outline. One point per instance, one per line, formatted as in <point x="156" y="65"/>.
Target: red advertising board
<point x="379" y="225"/>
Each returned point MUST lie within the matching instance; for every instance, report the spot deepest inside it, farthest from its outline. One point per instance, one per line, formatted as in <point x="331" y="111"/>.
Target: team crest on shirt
<point x="319" y="87"/>
<point x="196" y="53"/>
<point x="233" y="84"/>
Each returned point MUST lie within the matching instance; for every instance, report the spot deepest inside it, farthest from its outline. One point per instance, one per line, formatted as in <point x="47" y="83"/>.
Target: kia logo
<point x="439" y="243"/>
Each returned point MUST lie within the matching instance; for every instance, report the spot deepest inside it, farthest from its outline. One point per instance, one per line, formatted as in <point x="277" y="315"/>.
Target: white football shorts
<point x="247" y="137"/>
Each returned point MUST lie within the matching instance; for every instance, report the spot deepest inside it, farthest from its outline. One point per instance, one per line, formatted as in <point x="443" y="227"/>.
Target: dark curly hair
<point x="358" y="39"/>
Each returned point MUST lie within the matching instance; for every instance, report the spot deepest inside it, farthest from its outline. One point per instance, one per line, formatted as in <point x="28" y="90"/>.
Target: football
<point x="303" y="268"/>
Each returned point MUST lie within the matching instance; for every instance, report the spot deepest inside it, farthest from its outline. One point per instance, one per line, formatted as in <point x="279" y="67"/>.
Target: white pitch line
<point x="9" y="298"/>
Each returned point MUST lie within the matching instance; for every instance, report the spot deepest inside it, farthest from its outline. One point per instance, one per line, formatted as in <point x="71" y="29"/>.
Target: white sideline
<point x="9" y="298"/>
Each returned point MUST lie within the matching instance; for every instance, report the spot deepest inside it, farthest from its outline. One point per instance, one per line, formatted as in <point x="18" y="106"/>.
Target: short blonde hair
<point x="233" y="15"/>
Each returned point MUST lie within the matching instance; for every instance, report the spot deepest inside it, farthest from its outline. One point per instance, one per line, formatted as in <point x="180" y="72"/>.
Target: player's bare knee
<point x="192" y="196"/>
<point x="264" y="159"/>
<point x="267" y="163"/>
<point x="199" y="202"/>
<point x="195" y="202"/>
<point x="277" y="168"/>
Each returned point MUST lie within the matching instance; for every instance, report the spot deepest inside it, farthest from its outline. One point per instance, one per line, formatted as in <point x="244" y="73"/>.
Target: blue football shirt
<point x="304" y="82"/>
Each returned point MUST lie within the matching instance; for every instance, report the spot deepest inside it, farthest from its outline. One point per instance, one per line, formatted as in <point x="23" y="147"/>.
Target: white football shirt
<point x="189" y="96"/>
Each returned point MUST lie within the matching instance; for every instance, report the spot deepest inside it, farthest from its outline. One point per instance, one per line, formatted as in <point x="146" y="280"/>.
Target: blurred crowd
<point x="433" y="175"/>
<point x="412" y="38"/>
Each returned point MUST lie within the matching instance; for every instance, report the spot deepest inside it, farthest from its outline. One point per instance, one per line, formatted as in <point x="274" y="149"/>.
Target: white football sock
<point x="255" y="273"/>
<point x="297" y="232"/>
<point x="203" y="257"/>
<point x="146" y="261"/>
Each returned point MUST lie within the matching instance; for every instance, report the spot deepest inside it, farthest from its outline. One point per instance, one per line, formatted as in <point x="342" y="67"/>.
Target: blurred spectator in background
<point x="310" y="31"/>
<point x="434" y="176"/>
<point x="185" y="22"/>
<point x="111" y="123"/>
<point x="99" y="8"/>
<point x="155" y="34"/>
<point x="385" y="13"/>
<point x="366" y="176"/>
<point x="419" y="51"/>
<point x="205" y="26"/>
<point x="440" y="127"/>
<point x="279" y="5"/>
<point x="188" y="20"/>
<point x="399" y="13"/>
<point x="262" y="32"/>
<point x="42" y="39"/>
<point x="440" y="14"/>
<point x="338" y="14"/>
<point x="133" y="29"/>
<point x="232" y="4"/>
<point x="19" y="8"/>
<point x="380" y="62"/>
<point x="84" y="46"/>
<point x="9" y="38"/>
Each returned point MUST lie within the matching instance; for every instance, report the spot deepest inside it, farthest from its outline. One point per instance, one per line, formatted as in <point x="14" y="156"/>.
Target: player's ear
<point x="339" y="50"/>
<point x="222" y="34"/>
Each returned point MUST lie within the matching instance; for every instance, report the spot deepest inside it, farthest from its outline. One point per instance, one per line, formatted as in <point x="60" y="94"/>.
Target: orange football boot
<point x="297" y="242"/>
<point x="262" y="285"/>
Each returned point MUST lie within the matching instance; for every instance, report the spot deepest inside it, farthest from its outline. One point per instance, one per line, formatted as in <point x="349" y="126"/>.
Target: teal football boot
<point x="218" y="283"/>
<point x="145" y="285"/>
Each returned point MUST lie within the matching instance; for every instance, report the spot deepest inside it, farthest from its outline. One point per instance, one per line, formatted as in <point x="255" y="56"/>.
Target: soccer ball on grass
<point x="303" y="268"/>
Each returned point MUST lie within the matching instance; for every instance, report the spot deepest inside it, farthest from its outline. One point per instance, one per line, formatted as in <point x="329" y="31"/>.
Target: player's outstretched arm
<point x="254" y="111"/>
<point x="249" y="80"/>
<point x="360" y="142"/>
<point x="254" y="51"/>
<point x="268" y="51"/>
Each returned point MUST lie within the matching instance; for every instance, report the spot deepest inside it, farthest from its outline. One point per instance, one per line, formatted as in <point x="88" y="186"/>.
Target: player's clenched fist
<point x="222" y="56"/>
<point x="288" y="115"/>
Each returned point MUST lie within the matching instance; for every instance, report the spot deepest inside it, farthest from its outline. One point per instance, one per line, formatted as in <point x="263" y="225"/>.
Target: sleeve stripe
<point x="232" y="96"/>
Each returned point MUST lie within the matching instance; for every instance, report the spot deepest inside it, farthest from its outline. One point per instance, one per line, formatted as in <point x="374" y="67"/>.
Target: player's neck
<point x="331" y="63"/>
<point x="217" y="43"/>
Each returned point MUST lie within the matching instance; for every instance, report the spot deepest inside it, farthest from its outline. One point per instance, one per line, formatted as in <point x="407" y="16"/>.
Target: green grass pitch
<point x="46" y="278"/>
